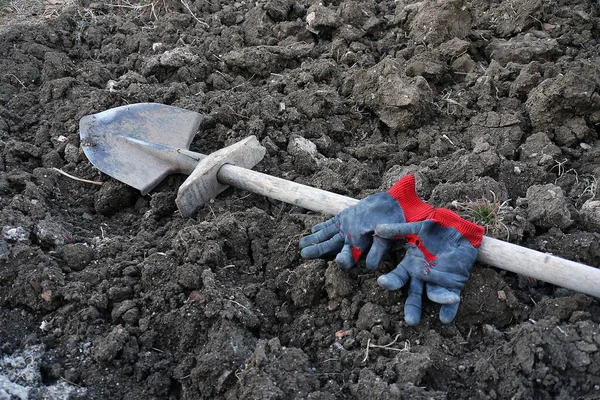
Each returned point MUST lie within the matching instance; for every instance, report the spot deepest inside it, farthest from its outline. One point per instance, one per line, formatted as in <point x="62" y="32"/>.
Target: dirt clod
<point x="547" y="207"/>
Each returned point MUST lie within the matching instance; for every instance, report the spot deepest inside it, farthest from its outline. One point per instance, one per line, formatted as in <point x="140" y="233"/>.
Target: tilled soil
<point x="104" y="293"/>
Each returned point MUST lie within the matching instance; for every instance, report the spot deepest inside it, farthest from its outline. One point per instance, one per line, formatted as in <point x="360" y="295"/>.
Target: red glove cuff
<point x="416" y="209"/>
<point x="470" y="231"/>
<point x="405" y="193"/>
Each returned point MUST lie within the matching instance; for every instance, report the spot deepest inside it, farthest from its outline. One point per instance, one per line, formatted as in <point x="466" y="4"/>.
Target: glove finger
<point x="442" y="295"/>
<point x="448" y="312"/>
<point x="378" y="250"/>
<point x="348" y="257"/>
<point x="353" y="249"/>
<point x="389" y="231"/>
<point x="319" y="250"/>
<point x="323" y="225"/>
<point x="446" y="279"/>
<point x="412" y="307"/>
<point x="320" y="236"/>
<point x="395" y="279"/>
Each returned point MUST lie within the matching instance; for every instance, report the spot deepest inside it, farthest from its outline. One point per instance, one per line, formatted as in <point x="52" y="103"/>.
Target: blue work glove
<point x="350" y="233"/>
<point x="440" y="253"/>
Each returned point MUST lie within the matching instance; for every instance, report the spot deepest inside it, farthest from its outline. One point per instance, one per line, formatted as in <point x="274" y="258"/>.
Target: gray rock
<point x="50" y="233"/>
<point x="539" y="150"/>
<point x="561" y="98"/>
<point x="590" y="214"/>
<point x="15" y="234"/>
<point x="523" y="49"/>
<point x="305" y="153"/>
<point x="547" y="207"/>
<point x="399" y="101"/>
<point x="320" y="19"/>
<point x="73" y="153"/>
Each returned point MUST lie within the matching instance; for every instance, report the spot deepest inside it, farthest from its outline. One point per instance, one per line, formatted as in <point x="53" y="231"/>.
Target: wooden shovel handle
<point x="494" y="252"/>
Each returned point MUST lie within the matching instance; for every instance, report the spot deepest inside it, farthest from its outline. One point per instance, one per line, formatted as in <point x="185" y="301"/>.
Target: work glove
<point x="440" y="253"/>
<point x="350" y="233"/>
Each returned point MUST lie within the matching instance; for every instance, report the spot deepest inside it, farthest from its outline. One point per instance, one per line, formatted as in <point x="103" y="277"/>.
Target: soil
<point x="105" y="293"/>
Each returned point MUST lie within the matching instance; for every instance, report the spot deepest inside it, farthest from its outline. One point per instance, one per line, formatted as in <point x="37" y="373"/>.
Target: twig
<point x="242" y="84"/>
<point x="241" y="305"/>
<point x="76" y="178"/>
<point x="448" y="139"/>
<point x="212" y="212"/>
<point x="69" y="382"/>
<point x="130" y="6"/>
<point x="537" y="20"/>
<point x="196" y="18"/>
<point x="386" y="347"/>
<point x="456" y="103"/>
<point x="367" y="350"/>
<point x="18" y="80"/>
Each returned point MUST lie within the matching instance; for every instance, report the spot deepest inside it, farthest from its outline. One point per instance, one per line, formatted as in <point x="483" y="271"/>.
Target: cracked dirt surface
<point x="109" y="294"/>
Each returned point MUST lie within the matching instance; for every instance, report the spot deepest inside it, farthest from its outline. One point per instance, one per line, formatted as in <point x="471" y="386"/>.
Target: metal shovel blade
<point x="140" y="144"/>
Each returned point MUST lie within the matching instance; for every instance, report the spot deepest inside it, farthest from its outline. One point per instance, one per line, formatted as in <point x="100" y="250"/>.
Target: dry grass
<point x="484" y="211"/>
<point x="593" y="188"/>
<point x="143" y="8"/>
<point x="155" y="8"/>
<point x="30" y="12"/>
<point x="591" y="191"/>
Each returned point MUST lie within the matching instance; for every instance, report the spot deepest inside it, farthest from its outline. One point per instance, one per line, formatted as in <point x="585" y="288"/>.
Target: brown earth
<point x="105" y="293"/>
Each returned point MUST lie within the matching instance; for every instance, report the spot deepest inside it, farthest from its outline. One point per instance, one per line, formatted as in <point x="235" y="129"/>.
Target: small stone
<point x="15" y="234"/>
<point x="50" y="233"/>
<point x="305" y="153"/>
<point x="46" y="295"/>
<point x="72" y="153"/>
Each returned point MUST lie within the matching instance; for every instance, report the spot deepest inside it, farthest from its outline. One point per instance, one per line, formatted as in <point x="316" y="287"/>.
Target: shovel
<point x="141" y="144"/>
